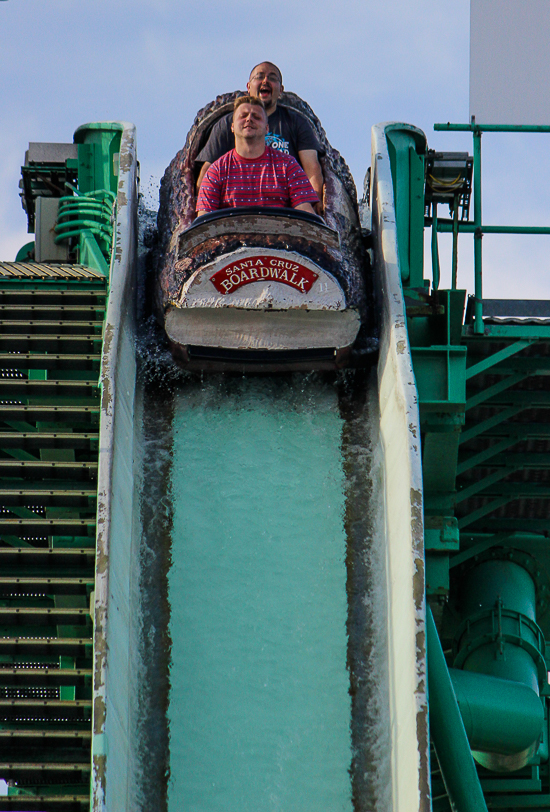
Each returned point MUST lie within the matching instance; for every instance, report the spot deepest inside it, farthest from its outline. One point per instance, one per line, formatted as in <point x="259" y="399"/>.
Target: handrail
<point x="476" y="227"/>
<point x="267" y="211"/>
<point x="493" y="128"/>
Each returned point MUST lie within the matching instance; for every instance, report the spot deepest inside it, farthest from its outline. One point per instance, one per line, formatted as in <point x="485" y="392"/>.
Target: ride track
<point x="208" y="483"/>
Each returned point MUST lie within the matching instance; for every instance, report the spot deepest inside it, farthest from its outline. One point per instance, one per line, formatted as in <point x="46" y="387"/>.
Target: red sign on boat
<point x="268" y="268"/>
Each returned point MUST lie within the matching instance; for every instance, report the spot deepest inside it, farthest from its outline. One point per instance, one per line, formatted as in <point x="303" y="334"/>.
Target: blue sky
<point x="156" y="62"/>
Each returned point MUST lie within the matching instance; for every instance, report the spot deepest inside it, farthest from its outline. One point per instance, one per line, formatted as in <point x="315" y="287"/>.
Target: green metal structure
<point x="482" y="371"/>
<point x="52" y="302"/>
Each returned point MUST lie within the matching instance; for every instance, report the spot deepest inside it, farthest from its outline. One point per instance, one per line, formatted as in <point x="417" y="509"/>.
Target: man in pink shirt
<point x="253" y="174"/>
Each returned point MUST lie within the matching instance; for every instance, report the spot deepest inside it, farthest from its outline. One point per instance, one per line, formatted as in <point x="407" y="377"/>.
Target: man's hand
<point x="319" y="207"/>
<point x="311" y="166"/>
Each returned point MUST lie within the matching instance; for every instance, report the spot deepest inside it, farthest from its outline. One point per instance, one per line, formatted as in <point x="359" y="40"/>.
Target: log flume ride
<point x="262" y="288"/>
<point x="388" y="526"/>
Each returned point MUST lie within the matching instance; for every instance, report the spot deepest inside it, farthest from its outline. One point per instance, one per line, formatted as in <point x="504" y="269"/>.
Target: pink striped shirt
<point x="273" y="179"/>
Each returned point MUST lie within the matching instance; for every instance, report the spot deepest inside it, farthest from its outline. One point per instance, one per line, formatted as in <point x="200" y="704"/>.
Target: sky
<point x="357" y="63"/>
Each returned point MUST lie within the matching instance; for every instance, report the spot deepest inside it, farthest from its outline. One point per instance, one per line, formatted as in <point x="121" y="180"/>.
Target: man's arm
<point x="209" y="197"/>
<point x="305" y="207"/>
<point x="312" y="168"/>
<point x="301" y="193"/>
<point x="220" y="141"/>
<point x="204" y="169"/>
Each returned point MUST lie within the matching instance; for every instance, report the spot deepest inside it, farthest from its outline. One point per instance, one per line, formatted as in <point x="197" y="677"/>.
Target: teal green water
<point x="259" y="708"/>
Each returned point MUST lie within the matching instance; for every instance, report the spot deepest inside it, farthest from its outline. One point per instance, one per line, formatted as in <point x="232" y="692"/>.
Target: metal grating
<point x="50" y="345"/>
<point x="41" y="270"/>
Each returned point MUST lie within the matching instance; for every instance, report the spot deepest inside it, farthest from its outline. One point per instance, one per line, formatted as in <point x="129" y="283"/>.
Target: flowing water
<point x="259" y="595"/>
<point x="259" y="703"/>
<point x="262" y="593"/>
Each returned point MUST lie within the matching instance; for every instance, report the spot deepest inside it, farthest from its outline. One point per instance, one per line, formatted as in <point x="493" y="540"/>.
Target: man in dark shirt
<point x="288" y="131"/>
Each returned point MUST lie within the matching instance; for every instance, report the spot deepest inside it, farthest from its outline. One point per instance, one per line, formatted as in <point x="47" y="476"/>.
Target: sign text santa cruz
<point x="269" y="268"/>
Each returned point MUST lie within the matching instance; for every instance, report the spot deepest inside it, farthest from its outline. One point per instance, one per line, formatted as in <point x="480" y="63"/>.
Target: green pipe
<point x="499" y="635"/>
<point x="499" y="638"/>
<point x="100" y="208"/>
<point x="61" y="229"/>
<point x="498" y="579"/>
<point x="86" y="200"/>
<point x="500" y="716"/>
<point x="99" y="195"/>
<point x="99" y="223"/>
<point x="103" y="199"/>
<point x="448" y="732"/>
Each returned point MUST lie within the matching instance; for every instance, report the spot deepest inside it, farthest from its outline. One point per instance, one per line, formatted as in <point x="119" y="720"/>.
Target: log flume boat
<point x="262" y="288"/>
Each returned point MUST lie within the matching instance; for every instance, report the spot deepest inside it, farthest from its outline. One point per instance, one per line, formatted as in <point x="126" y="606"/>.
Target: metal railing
<point x="477" y="228"/>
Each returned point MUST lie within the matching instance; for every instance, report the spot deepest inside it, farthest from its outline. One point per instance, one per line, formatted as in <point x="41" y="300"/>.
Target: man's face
<point x="265" y="83"/>
<point x="249" y="121"/>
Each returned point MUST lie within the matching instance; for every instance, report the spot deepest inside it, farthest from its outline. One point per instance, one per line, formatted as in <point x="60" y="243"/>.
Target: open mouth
<point x="265" y="91"/>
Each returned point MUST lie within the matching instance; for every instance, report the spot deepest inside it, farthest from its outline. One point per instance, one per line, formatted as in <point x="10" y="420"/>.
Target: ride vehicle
<point x="261" y="288"/>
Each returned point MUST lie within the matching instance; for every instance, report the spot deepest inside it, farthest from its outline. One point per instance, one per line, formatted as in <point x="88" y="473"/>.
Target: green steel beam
<point x="90" y="253"/>
<point x="480" y="485"/>
<point x="447" y="227"/>
<point x="534" y="366"/>
<point x="503" y="785"/>
<point x="495" y="358"/>
<point x="482" y="456"/>
<point x="529" y="399"/>
<point x="485" y="544"/>
<point x="519" y="490"/>
<point x="520" y="460"/>
<point x="478" y="286"/>
<point x="484" y="426"/>
<point x="435" y="251"/>
<point x="523" y="431"/>
<point x="99" y="146"/>
<point x="493" y="128"/>
<point x="508" y="332"/>
<point x="448" y="732"/>
<point x="514" y="537"/>
<point x="513" y="802"/>
<point x="465" y="521"/>
<point x="496" y="389"/>
<point x="520" y="525"/>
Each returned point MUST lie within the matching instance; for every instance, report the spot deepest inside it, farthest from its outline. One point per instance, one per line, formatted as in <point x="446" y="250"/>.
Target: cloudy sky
<point x="357" y="62"/>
